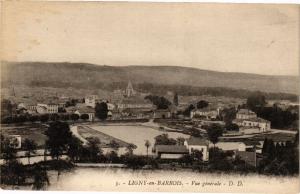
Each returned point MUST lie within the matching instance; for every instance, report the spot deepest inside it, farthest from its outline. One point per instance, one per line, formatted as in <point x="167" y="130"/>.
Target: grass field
<point x="87" y="132"/>
<point x="33" y="132"/>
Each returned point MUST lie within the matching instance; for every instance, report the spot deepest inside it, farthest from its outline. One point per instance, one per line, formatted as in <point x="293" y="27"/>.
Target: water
<point x="107" y="179"/>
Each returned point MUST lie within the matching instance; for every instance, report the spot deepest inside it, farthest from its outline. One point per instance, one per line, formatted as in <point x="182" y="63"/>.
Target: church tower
<point x="129" y="90"/>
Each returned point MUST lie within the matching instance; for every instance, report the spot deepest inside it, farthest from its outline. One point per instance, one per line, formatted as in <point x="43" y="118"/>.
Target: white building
<point x="198" y="144"/>
<point x="204" y="113"/>
<point x="91" y="100"/>
<point x="170" y="151"/>
<point x="245" y="114"/>
<point x="47" y="108"/>
<point x="15" y="141"/>
<point x="86" y="110"/>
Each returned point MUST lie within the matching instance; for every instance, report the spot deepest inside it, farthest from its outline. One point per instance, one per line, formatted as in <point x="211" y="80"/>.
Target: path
<point x="75" y="132"/>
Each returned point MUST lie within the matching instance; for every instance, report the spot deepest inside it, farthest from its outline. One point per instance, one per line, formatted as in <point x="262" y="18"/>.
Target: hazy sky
<point x="255" y="38"/>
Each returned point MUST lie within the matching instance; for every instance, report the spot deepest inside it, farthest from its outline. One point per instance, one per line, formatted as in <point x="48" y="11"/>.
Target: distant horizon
<point x="192" y="67"/>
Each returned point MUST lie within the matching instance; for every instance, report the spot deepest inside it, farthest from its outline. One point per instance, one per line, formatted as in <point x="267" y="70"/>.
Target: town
<point x="137" y="130"/>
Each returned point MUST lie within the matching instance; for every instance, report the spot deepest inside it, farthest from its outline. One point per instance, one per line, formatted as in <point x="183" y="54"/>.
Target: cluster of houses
<point x="249" y="123"/>
<point x="245" y="150"/>
<point x="247" y="120"/>
<point x="131" y="105"/>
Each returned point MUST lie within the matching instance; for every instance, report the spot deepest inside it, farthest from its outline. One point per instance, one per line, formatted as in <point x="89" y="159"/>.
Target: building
<point x="245" y="114"/>
<point x="15" y="141"/>
<point x="134" y="102"/>
<point x="91" y="100"/>
<point x="129" y="91"/>
<point x="170" y="151"/>
<point x="253" y="125"/>
<point x="162" y="114"/>
<point x="249" y="122"/>
<point x="236" y="146"/>
<point x="204" y="113"/>
<point x="47" y="108"/>
<point x="86" y="110"/>
<point x="229" y="146"/>
<point x="198" y="144"/>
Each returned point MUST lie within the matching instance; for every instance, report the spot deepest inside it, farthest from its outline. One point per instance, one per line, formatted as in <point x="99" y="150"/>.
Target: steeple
<point x="129" y="90"/>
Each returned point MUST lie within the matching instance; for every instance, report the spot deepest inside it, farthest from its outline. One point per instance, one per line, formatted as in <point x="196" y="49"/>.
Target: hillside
<point x="82" y="75"/>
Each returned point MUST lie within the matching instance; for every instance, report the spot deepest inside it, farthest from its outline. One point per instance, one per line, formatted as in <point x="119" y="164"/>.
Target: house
<point x="229" y="146"/>
<point x="248" y="157"/>
<point x="236" y="146"/>
<point x="47" y="108"/>
<point x="249" y="122"/>
<point x="15" y="141"/>
<point x="138" y="113"/>
<point x="170" y="151"/>
<point x="91" y="100"/>
<point x="205" y="113"/>
<point x="134" y="102"/>
<point x="86" y="110"/>
<point x="253" y="125"/>
<point x="245" y="114"/>
<point x="199" y="144"/>
<point x="162" y="114"/>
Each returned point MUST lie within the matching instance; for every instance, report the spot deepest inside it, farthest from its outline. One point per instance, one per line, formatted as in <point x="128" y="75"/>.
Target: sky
<point x="251" y="38"/>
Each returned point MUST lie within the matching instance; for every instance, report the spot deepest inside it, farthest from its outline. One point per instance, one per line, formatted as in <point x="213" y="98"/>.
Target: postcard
<point x="149" y="97"/>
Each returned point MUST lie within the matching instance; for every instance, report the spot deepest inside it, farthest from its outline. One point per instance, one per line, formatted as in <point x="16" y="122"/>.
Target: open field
<point x="136" y="135"/>
<point x="87" y="132"/>
<point x="33" y="132"/>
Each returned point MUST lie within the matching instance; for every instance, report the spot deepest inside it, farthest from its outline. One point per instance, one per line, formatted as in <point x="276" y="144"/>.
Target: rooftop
<point x="174" y="149"/>
<point x="197" y="141"/>
<point x="245" y="111"/>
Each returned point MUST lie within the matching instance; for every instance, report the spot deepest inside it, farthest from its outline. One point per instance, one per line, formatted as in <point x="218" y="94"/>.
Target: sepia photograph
<point x="149" y="97"/>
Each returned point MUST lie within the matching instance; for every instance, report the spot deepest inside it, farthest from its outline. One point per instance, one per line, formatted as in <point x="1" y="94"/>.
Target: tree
<point x="40" y="178"/>
<point x="214" y="132"/>
<point x="8" y="149"/>
<point x="164" y="139"/>
<point x="74" y="148"/>
<point x="13" y="173"/>
<point x="84" y="117"/>
<point x="101" y="110"/>
<point x="130" y="147"/>
<point x="256" y="101"/>
<point x="195" y="132"/>
<point x="94" y="149"/>
<point x="197" y="155"/>
<point x="228" y="115"/>
<point x="74" y="117"/>
<point x="159" y="101"/>
<point x="114" y="145"/>
<point x="231" y="127"/>
<point x="33" y="118"/>
<point x="44" y="118"/>
<point x="180" y="141"/>
<point x="59" y="136"/>
<point x="202" y="104"/>
<point x="6" y="108"/>
<point x="187" y="111"/>
<point x="175" y="99"/>
<point x="30" y="147"/>
<point x="147" y="144"/>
